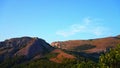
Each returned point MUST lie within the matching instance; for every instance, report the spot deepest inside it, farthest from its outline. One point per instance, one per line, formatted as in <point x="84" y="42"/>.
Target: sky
<point x="59" y="20"/>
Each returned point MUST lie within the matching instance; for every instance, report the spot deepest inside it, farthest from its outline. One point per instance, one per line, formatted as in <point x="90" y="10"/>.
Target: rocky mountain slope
<point x="27" y="46"/>
<point x="31" y="48"/>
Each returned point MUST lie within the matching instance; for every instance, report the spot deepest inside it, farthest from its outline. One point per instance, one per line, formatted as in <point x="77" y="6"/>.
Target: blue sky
<point x="59" y="20"/>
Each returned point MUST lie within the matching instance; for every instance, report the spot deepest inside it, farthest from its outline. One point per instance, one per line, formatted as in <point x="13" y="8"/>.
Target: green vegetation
<point x="67" y="63"/>
<point x="51" y="55"/>
<point x="110" y="59"/>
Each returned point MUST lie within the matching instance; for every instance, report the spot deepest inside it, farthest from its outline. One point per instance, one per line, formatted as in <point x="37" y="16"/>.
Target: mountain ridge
<point x="34" y="47"/>
<point x="92" y="46"/>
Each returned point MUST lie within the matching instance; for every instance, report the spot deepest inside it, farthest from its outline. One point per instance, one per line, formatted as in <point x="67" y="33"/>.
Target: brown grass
<point x="61" y="56"/>
<point x="100" y="44"/>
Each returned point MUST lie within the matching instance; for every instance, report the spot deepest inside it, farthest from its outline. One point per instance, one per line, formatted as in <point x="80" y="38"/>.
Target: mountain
<point x="30" y="48"/>
<point x="91" y="47"/>
<point x="27" y="46"/>
<point x="33" y="52"/>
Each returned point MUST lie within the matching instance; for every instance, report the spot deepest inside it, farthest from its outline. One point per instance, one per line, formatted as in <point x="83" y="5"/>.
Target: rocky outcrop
<point x="56" y="44"/>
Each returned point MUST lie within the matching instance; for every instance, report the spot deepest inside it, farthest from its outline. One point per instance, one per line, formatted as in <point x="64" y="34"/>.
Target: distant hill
<point x="92" y="46"/>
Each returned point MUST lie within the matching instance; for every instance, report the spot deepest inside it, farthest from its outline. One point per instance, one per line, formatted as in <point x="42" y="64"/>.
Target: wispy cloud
<point x="89" y="25"/>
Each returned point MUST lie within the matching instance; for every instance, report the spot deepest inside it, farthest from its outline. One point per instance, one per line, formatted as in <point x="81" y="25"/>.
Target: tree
<point x="110" y="59"/>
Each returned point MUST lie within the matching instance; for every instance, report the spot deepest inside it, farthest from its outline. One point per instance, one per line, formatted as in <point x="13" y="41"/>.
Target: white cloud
<point x="88" y="25"/>
<point x="73" y="30"/>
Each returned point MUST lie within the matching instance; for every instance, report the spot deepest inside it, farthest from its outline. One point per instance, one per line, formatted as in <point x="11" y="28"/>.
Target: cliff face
<point x="27" y="46"/>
